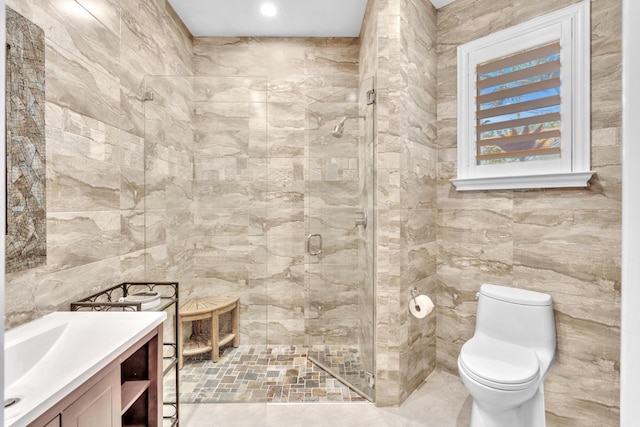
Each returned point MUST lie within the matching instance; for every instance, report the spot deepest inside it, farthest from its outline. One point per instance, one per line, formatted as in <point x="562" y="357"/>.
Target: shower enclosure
<point x="340" y="242"/>
<point x="245" y="192"/>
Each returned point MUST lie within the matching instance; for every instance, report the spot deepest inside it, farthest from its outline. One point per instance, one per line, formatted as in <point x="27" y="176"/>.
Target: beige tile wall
<point x="565" y="242"/>
<point x="253" y="142"/>
<point x="167" y="206"/>
<point x="398" y="49"/>
<point x="95" y="68"/>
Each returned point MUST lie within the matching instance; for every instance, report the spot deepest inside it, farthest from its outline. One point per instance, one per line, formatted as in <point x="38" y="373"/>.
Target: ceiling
<point x="295" y="18"/>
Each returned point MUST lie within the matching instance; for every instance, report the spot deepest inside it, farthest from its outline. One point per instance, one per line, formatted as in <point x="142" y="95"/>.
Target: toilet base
<point x="529" y="414"/>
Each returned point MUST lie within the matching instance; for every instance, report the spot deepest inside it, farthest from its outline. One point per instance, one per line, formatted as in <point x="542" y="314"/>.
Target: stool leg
<point x="195" y="329"/>
<point x="235" y="313"/>
<point x="215" y="333"/>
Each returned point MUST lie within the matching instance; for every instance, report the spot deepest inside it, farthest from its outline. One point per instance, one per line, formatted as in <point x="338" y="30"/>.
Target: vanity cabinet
<point x="95" y="408"/>
<point x="54" y="422"/>
<point x="126" y="393"/>
<point x="113" y="299"/>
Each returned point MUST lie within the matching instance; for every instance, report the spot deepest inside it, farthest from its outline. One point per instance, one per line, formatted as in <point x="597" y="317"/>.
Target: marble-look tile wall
<point x="418" y="165"/>
<point x="251" y="149"/>
<point x="168" y="179"/>
<point x="97" y="56"/>
<point x="398" y="49"/>
<point x="565" y="241"/>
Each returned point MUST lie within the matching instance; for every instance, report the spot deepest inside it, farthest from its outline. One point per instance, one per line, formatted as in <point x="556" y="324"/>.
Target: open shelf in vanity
<point x="138" y="385"/>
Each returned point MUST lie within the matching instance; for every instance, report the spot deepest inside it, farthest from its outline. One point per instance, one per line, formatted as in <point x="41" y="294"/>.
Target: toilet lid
<point x="499" y="364"/>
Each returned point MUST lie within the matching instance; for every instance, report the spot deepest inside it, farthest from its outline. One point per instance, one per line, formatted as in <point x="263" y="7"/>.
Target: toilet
<point x="504" y="364"/>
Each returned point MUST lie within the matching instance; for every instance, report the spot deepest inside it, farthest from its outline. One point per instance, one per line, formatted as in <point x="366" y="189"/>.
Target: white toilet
<point x="503" y="366"/>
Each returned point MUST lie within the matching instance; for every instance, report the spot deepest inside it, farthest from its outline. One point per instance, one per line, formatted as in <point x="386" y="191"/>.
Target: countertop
<point x="66" y="349"/>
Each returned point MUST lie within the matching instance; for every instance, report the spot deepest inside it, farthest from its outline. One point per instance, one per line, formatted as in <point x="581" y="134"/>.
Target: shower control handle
<point x="361" y="217"/>
<point x="318" y="251"/>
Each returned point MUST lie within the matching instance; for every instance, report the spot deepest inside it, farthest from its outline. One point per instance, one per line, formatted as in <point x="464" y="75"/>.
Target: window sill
<point x="526" y="182"/>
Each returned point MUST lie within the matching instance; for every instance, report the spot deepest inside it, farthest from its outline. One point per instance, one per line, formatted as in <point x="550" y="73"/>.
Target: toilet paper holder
<point x="420" y="306"/>
<point x="414" y="294"/>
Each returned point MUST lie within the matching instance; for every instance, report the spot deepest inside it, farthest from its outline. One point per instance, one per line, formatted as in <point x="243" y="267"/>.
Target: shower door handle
<point x="319" y="246"/>
<point x="361" y="217"/>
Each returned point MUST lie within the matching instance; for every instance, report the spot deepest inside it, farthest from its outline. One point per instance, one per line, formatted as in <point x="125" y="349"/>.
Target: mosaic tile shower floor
<point x="265" y="374"/>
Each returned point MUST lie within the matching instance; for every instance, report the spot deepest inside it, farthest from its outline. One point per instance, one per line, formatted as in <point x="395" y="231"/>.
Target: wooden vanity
<point x="127" y="392"/>
<point x="105" y="370"/>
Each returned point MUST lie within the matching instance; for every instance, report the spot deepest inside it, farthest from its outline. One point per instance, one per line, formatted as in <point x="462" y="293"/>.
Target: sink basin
<point x="48" y="358"/>
<point x="22" y="355"/>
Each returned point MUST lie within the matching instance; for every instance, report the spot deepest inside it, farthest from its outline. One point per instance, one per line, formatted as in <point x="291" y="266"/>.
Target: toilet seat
<point x="498" y="364"/>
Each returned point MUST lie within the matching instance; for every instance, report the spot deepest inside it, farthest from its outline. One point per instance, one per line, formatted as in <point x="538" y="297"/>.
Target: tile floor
<point x="276" y="374"/>
<point x="346" y="363"/>
<point x="441" y="401"/>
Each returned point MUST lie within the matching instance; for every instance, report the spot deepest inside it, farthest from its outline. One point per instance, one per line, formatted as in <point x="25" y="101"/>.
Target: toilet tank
<point x="517" y="316"/>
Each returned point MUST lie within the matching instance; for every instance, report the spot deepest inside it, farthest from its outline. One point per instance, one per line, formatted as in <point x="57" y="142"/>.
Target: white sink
<point x="22" y="355"/>
<point x="48" y="358"/>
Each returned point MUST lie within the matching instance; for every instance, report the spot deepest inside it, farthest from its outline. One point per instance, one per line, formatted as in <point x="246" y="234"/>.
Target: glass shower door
<point x="340" y="239"/>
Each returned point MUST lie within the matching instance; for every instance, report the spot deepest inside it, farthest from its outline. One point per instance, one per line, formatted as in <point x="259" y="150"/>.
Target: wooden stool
<point x="203" y="309"/>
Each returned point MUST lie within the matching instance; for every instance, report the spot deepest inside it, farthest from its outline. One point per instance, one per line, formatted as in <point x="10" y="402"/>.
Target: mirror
<point x="25" y="227"/>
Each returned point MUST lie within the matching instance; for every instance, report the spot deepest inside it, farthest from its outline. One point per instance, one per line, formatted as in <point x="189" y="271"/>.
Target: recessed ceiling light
<point x="268" y="9"/>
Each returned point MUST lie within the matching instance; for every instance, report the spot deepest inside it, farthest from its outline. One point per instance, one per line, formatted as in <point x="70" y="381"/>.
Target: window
<point x="524" y="105"/>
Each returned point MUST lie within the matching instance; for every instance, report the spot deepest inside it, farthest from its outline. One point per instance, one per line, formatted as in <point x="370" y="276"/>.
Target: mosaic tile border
<point x="26" y="236"/>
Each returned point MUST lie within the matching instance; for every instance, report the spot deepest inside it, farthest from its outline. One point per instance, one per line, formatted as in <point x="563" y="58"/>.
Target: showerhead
<point x="339" y="129"/>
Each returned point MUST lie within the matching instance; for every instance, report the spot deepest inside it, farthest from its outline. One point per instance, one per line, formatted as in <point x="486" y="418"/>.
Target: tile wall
<point x="564" y="242"/>
<point x="398" y="49"/>
<point x="253" y="141"/>
<point x="96" y="57"/>
<point x="167" y="207"/>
